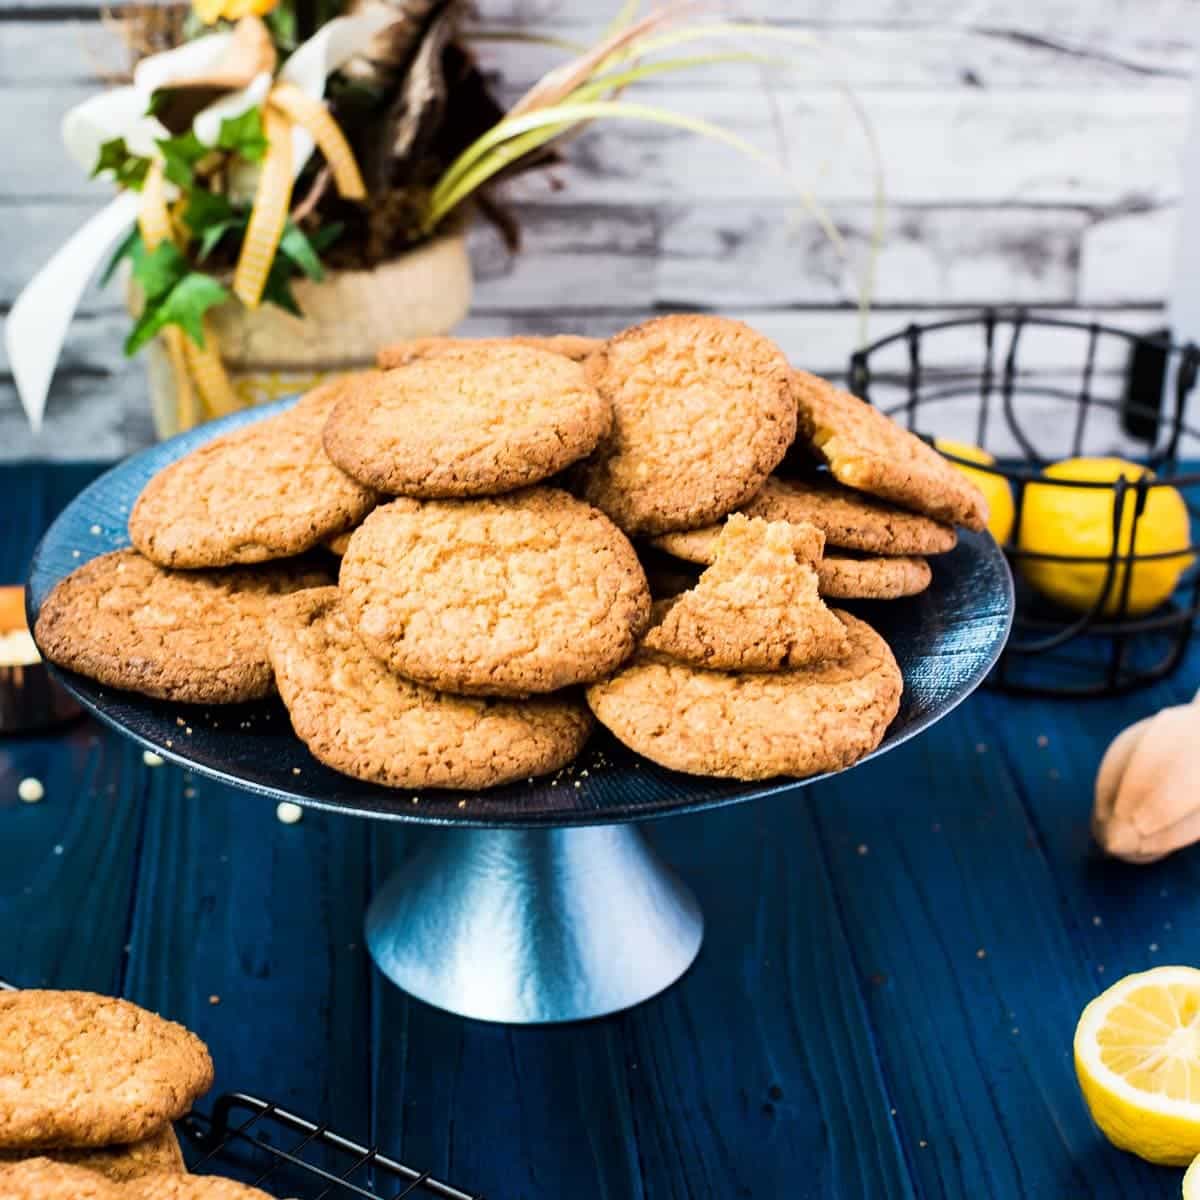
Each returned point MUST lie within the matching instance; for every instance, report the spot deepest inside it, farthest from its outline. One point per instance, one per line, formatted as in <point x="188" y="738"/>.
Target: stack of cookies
<point x="89" y="1087"/>
<point x="495" y="504"/>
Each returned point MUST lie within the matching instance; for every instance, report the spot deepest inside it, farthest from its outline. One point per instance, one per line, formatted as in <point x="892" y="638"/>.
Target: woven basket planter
<point x="348" y="316"/>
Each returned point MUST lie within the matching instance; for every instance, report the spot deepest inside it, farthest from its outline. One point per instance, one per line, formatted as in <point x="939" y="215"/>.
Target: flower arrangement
<point x="280" y="139"/>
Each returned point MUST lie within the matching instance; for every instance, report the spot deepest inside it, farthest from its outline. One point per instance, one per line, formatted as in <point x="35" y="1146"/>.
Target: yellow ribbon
<point x="286" y="106"/>
<point x="190" y="363"/>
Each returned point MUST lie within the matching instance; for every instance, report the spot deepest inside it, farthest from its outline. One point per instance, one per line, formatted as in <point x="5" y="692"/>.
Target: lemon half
<point x="1137" y="1055"/>
<point x="1079" y="521"/>
<point x="1191" y="1182"/>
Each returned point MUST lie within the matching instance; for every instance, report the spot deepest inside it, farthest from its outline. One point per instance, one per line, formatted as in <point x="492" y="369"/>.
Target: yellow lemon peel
<point x="1137" y="1056"/>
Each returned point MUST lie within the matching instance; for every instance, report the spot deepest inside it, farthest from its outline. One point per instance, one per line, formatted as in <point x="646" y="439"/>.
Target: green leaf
<point x="124" y="250"/>
<point x="129" y="170"/>
<point x="295" y="246"/>
<point x="184" y="305"/>
<point x="211" y="237"/>
<point x="157" y="271"/>
<point x="326" y="236"/>
<point x="205" y="208"/>
<point x="180" y="155"/>
<point x="243" y="135"/>
<point x="278" y="288"/>
<point x="158" y="99"/>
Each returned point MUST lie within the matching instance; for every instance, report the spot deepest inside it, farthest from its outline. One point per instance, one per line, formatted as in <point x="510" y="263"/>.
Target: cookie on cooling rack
<point x="849" y="520"/>
<point x="755" y="726"/>
<point x="467" y="419"/>
<point x="868" y="451"/>
<point x="158" y="1154"/>
<point x="569" y="345"/>
<point x="77" y="1069"/>
<point x="505" y="596"/>
<point x="363" y="720"/>
<point x="263" y="492"/>
<point x="703" y="413"/>
<point x="845" y="578"/>
<point x="756" y="608"/>
<point x="191" y="636"/>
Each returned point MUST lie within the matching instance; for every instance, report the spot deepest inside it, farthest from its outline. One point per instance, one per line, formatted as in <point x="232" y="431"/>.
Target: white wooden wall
<point x="1032" y="156"/>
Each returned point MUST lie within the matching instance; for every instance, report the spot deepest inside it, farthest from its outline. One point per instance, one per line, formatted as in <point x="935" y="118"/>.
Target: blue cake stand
<point x="534" y="902"/>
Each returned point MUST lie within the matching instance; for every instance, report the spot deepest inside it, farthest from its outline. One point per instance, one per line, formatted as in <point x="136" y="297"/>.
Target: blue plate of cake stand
<point x="538" y="901"/>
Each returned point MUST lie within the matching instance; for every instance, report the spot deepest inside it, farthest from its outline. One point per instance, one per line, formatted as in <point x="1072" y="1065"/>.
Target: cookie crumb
<point x="214" y="999"/>
<point x="981" y="953"/>
<point x="96" y="530"/>
<point x="151" y="759"/>
<point x="288" y="813"/>
<point x="1043" y="741"/>
<point x="295" y="770"/>
<point x="863" y="850"/>
<point x="31" y="791"/>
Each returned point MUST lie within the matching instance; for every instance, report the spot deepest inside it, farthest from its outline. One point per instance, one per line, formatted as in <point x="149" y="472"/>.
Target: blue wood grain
<point x="841" y="1035"/>
<point x="249" y="931"/>
<point x="978" y="970"/>
<point x="66" y="864"/>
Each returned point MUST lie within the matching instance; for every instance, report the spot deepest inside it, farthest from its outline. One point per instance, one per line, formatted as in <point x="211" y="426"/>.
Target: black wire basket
<point x="1033" y="390"/>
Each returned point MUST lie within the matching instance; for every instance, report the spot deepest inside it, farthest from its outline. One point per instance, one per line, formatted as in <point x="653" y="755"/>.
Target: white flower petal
<point x="119" y="113"/>
<point x="334" y="45"/>
<point x="37" y="324"/>
<point x="196" y="57"/>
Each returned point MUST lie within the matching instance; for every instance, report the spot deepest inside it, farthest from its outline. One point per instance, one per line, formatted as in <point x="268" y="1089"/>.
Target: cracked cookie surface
<point x="467" y="419"/>
<point x="756" y="608"/>
<point x="359" y="718"/>
<point x="868" y="451"/>
<point x="849" y="520"/>
<point x="755" y="726"/>
<point x="703" y="413"/>
<point x="77" y="1069"/>
<point x="516" y="594"/>
<point x="158" y="1154"/>
<point x="263" y="492"/>
<point x="196" y="637"/>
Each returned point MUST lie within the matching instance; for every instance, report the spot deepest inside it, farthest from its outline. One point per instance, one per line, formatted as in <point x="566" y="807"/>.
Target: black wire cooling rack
<point x="271" y="1147"/>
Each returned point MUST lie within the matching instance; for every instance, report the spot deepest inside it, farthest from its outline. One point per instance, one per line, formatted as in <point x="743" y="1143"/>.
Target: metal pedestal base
<point x="526" y="926"/>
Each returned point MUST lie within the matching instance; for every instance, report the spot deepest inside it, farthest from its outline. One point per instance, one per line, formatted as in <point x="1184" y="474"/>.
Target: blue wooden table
<point x="883" y="1007"/>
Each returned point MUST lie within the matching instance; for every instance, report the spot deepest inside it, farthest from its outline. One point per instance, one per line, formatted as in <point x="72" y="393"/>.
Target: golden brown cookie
<point x="77" y="1069"/>
<point x="266" y="491"/>
<point x="868" y="451"/>
<point x="359" y="718"/>
<point x="192" y="636"/>
<point x="818" y="718"/>
<point x="569" y="345"/>
<point x="189" y="1187"/>
<point x="46" y="1179"/>
<point x="756" y="608"/>
<point x="467" y="420"/>
<point x="157" y="1154"/>
<point x="848" y="519"/>
<point x="843" y="577"/>
<point x="703" y="413"/>
<point x="523" y="593"/>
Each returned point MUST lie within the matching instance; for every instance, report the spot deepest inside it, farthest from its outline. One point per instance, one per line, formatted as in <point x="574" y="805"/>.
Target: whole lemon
<point x="995" y="488"/>
<point x="1079" y="521"/>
